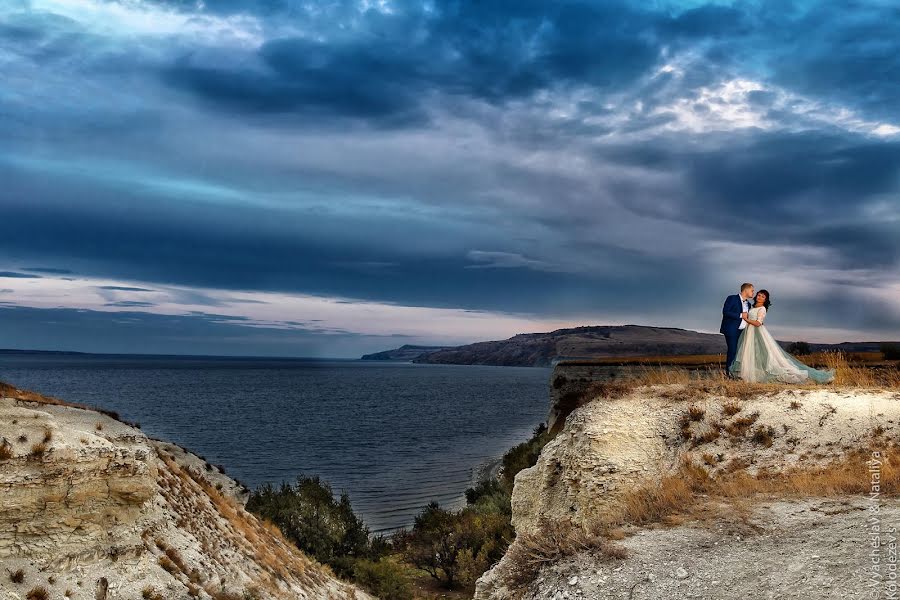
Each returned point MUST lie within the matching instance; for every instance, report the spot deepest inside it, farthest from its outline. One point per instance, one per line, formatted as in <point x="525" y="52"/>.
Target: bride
<point x="760" y="358"/>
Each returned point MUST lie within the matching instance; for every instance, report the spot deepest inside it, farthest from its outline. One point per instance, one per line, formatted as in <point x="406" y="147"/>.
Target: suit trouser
<point x="731" y="339"/>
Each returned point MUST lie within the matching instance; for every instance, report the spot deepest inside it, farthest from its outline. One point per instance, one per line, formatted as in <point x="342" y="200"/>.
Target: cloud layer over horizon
<point x="471" y="169"/>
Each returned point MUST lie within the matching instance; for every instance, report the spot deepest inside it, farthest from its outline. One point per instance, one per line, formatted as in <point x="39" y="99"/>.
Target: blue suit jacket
<point x="731" y="314"/>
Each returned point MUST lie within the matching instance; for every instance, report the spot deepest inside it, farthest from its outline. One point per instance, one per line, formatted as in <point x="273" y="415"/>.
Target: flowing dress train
<point x="761" y="359"/>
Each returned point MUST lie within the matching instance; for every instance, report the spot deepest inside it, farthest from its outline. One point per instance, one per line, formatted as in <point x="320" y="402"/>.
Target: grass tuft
<point x="556" y="540"/>
<point x="6" y="451"/>
<point x="764" y="435"/>
<point x="38" y="593"/>
<point x="729" y="409"/>
<point x="740" y="426"/>
<point x="38" y="450"/>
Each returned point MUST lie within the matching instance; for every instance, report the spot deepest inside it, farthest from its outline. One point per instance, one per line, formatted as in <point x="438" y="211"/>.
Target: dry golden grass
<point x="263" y="543"/>
<point x="6" y="451"/>
<point x="166" y="563"/>
<point x="10" y="391"/>
<point x="729" y="409"/>
<point x="693" y="494"/>
<point x="740" y="426"/>
<point x="717" y="360"/>
<point x="38" y="450"/>
<point x="38" y="593"/>
<point x="696" y="413"/>
<point x="555" y="541"/>
<point x="693" y="384"/>
<point x="690" y="491"/>
<point x="683" y="359"/>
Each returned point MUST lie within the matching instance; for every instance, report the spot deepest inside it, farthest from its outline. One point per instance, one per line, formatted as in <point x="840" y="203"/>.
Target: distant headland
<point x="600" y="341"/>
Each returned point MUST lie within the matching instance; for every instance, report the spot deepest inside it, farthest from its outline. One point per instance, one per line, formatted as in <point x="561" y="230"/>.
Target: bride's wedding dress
<point x="760" y="358"/>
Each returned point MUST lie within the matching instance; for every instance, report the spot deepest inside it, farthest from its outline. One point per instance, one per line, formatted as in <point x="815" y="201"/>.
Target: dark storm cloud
<point x="498" y="51"/>
<point x="486" y="50"/>
<point x="547" y="165"/>
<point x="16" y="275"/>
<point x="147" y="333"/>
<point x="278" y="254"/>
<point x="47" y="270"/>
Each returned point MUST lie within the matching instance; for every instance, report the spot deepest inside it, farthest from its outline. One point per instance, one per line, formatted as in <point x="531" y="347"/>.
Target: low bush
<point x="455" y="548"/>
<point x="384" y="578"/>
<point x="38" y="593"/>
<point x="799" y="349"/>
<point x="891" y="351"/>
<point x="555" y="542"/>
<point x="324" y="527"/>
<point x="524" y="455"/>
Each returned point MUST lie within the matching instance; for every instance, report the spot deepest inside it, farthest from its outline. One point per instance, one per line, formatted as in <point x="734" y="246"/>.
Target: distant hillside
<point x="541" y="349"/>
<point x="406" y="352"/>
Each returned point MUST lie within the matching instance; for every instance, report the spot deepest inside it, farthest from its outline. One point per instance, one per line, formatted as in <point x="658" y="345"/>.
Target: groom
<point x="734" y="314"/>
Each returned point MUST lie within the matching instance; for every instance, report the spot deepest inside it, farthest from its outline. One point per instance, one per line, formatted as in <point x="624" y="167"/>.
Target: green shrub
<point x="799" y="349"/>
<point x="324" y="527"/>
<point x="455" y="548"/>
<point x="384" y="578"/>
<point x="891" y="350"/>
<point x="524" y="455"/>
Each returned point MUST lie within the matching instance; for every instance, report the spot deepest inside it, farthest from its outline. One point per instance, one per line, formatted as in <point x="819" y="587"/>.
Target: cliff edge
<point x="93" y="509"/>
<point x="705" y="490"/>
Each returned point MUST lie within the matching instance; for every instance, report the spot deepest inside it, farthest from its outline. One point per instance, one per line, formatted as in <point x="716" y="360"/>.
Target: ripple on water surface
<point x="395" y="436"/>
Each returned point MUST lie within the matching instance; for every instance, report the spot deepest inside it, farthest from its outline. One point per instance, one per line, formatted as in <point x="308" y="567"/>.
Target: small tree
<point x="309" y="515"/>
<point x="433" y="544"/>
<point x="800" y="349"/>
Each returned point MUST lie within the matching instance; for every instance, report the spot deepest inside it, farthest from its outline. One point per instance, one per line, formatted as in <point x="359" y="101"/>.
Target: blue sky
<point x="332" y="178"/>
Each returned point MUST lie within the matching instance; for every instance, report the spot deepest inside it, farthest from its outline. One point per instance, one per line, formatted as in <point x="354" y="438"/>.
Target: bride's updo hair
<point x="768" y="301"/>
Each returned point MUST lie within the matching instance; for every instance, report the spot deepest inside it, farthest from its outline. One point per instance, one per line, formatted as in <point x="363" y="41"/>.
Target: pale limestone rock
<point x="608" y="446"/>
<point x="104" y="510"/>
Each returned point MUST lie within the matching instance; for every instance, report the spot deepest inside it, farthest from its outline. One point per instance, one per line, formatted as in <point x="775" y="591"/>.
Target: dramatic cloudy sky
<point x="286" y="177"/>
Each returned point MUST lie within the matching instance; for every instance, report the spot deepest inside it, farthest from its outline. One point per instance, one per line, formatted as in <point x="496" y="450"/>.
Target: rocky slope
<point x="631" y="440"/>
<point x="92" y="508"/>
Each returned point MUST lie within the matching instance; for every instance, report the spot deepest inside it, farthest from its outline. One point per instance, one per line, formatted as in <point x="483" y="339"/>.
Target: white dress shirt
<point x="746" y="304"/>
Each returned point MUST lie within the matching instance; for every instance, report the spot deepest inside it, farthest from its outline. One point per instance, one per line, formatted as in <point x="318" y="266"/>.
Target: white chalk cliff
<point x="90" y="508"/>
<point x="789" y="547"/>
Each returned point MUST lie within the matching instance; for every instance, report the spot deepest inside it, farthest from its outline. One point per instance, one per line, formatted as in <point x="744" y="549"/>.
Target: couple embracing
<point x="753" y="354"/>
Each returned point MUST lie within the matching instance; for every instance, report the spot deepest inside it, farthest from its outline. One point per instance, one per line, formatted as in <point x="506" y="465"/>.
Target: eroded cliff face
<point x="92" y="508"/>
<point x="609" y="446"/>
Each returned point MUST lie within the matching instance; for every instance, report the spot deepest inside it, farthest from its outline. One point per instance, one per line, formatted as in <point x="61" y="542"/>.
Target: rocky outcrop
<point x="92" y="508"/>
<point x="608" y="447"/>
